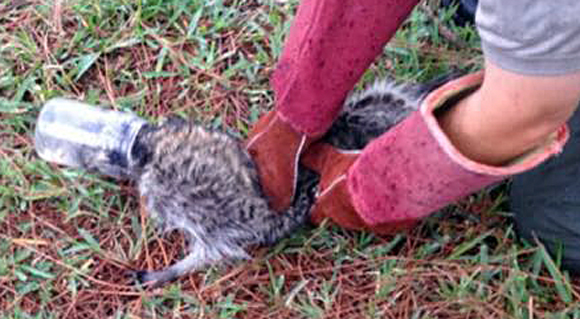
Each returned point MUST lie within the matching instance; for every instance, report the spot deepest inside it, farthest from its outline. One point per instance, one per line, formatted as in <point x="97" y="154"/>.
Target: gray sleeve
<point x="532" y="37"/>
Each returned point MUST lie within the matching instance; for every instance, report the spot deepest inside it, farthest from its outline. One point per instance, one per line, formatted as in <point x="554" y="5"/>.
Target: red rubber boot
<point x="410" y="171"/>
<point x="331" y="43"/>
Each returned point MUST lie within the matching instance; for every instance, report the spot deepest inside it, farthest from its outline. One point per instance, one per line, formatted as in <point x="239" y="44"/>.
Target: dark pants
<point x="546" y="201"/>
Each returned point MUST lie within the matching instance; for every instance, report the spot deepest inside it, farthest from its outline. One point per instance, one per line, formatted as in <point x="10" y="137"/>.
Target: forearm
<point x="510" y="114"/>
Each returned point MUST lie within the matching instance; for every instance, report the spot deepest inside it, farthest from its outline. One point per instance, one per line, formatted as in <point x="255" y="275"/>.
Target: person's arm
<point x="511" y="124"/>
<point x="330" y="45"/>
<point x="510" y="114"/>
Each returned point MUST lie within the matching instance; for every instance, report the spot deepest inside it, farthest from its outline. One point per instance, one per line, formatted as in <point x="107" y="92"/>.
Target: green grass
<point x="67" y="238"/>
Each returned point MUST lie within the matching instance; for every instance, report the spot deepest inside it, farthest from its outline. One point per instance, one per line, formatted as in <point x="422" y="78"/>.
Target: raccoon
<point x="369" y="113"/>
<point x="204" y="183"/>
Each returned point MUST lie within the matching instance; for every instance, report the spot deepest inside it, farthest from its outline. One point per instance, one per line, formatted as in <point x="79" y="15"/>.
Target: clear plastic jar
<point x="78" y="135"/>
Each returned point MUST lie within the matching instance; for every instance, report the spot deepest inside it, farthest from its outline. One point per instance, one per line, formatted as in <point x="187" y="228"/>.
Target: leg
<point x="546" y="201"/>
<point x="200" y="255"/>
<point x="158" y="278"/>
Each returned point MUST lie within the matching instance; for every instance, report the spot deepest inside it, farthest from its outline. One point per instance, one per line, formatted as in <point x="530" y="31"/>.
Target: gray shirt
<point x="531" y="36"/>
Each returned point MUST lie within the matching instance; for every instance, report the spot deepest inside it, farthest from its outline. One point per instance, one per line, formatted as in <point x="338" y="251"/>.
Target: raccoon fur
<point x="369" y="113"/>
<point x="204" y="183"/>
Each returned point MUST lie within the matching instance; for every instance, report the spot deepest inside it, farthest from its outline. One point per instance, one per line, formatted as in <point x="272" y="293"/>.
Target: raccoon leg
<point x="201" y="255"/>
<point x="158" y="278"/>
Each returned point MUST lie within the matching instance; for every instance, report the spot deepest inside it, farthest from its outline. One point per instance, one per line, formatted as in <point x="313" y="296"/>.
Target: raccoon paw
<point x="142" y="278"/>
<point x="153" y="279"/>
